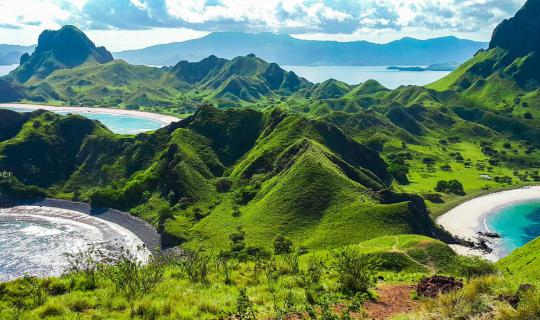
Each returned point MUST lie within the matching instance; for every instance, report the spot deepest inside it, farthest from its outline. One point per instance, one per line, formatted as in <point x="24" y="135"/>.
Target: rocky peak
<point x="520" y="35"/>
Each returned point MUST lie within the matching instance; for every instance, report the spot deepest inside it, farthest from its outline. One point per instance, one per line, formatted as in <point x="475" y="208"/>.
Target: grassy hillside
<point x="201" y="180"/>
<point x="271" y="286"/>
<point x="523" y="261"/>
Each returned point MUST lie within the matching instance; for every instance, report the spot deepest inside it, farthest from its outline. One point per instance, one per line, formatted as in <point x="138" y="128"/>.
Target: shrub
<point x="246" y="194"/>
<point x="51" y="310"/>
<point x="87" y="264"/>
<point x="131" y="277"/>
<point x="238" y="243"/>
<point x="35" y="290"/>
<point x="451" y="186"/>
<point x="244" y="306"/>
<point x="399" y="172"/>
<point x="223" y="185"/>
<point x="355" y="271"/>
<point x="291" y="261"/>
<point x="471" y="267"/>
<point x="195" y="265"/>
<point x="282" y="245"/>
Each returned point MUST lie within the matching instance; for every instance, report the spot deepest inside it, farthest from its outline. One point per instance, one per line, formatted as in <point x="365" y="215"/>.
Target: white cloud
<point x="324" y="19"/>
<point x="22" y="13"/>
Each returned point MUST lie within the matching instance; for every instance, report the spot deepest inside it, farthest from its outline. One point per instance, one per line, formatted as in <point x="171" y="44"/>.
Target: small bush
<point x="51" y="310"/>
<point x="355" y="271"/>
<point x="471" y="267"/>
<point x="223" y="185"/>
<point x="282" y="245"/>
<point x="79" y="304"/>
<point x="195" y="265"/>
<point x="451" y="186"/>
<point x="244" y="306"/>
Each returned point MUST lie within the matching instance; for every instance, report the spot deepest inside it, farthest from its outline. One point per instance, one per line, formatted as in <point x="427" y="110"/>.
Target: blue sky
<point x="128" y="24"/>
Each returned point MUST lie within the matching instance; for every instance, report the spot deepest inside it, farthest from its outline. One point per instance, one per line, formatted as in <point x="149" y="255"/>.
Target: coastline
<point x="143" y="230"/>
<point x="162" y="118"/>
<point x="469" y="218"/>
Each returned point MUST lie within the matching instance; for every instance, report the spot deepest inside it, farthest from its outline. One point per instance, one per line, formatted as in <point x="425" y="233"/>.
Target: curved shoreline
<point x="161" y="118"/>
<point x="469" y="218"/>
<point x="140" y="228"/>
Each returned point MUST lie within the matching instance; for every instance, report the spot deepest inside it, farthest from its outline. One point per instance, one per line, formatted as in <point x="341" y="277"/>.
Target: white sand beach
<point x="164" y="119"/>
<point x="109" y="232"/>
<point x="45" y="234"/>
<point x="467" y="219"/>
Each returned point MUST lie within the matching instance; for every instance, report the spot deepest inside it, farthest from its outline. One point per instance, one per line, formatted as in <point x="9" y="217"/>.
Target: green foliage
<point x="355" y="271"/>
<point x="282" y="245"/>
<point x="451" y="186"/>
<point x="523" y="261"/>
<point x="244" y="306"/>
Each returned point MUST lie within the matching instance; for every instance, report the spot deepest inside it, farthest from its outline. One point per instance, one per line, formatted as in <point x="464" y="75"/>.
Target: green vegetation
<point x="523" y="261"/>
<point x="197" y="285"/>
<point x="281" y="196"/>
<point x="514" y="294"/>
<point x="200" y="180"/>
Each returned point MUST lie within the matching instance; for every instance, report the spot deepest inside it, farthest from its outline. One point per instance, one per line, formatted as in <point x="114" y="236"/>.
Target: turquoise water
<point x="517" y="224"/>
<point x="358" y="74"/>
<point x="117" y="123"/>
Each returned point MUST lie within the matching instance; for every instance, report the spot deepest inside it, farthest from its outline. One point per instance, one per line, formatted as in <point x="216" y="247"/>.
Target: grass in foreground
<point x="245" y="282"/>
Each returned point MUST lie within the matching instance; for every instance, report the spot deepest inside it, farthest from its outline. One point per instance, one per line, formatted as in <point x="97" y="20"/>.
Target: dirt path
<point x="431" y="268"/>
<point x="393" y="300"/>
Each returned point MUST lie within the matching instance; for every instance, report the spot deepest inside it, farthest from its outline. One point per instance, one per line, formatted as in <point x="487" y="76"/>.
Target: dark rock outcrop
<point x="433" y="286"/>
<point x="520" y="35"/>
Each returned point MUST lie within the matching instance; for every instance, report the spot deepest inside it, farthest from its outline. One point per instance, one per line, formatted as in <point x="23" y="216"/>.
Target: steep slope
<point x="286" y="50"/>
<point x="507" y="75"/>
<point x="10" y="91"/>
<point x="61" y="49"/>
<point x="203" y="178"/>
<point x="42" y="151"/>
<point x="524" y="261"/>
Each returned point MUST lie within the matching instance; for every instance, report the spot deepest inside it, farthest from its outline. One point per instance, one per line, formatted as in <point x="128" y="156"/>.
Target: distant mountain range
<point x="286" y="50"/>
<point x="11" y="54"/>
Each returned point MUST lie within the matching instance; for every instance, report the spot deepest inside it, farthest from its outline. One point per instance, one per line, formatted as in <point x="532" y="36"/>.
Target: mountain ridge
<point x="287" y="50"/>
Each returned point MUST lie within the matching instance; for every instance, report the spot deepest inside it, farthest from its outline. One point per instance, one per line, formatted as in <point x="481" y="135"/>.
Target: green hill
<point x="284" y="173"/>
<point x="65" y="48"/>
<point x="522" y="262"/>
<point x="506" y="75"/>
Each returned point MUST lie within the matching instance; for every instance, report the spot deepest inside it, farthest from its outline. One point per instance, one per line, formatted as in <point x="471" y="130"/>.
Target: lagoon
<point x="117" y="120"/>
<point x="358" y="74"/>
<point x="517" y="224"/>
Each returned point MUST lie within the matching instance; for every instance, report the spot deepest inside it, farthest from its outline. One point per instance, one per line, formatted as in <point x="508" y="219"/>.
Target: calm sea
<point x="517" y="224"/>
<point x="358" y="74"/>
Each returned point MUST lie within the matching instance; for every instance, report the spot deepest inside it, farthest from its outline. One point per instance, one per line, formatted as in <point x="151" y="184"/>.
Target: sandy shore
<point x="125" y="221"/>
<point x="164" y="119"/>
<point x="109" y="233"/>
<point x="467" y="219"/>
